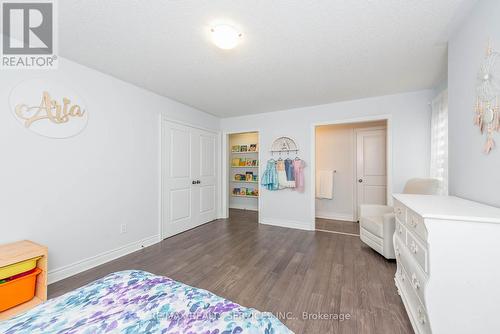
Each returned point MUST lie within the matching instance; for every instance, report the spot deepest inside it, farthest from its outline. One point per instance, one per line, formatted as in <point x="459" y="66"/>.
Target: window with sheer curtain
<point x="439" y="140"/>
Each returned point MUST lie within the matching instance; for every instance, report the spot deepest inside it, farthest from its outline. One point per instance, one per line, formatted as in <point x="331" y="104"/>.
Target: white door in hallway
<point x="371" y="167"/>
<point x="189" y="177"/>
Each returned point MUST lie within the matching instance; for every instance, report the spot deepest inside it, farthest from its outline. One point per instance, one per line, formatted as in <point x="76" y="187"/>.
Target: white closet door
<point x="207" y="176"/>
<point x="177" y="197"/>
<point x="371" y="167"/>
<point x="189" y="178"/>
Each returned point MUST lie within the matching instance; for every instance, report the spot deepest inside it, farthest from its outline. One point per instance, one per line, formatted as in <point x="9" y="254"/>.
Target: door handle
<point x="193" y="182"/>
<point x="198" y="181"/>
<point x="360" y="180"/>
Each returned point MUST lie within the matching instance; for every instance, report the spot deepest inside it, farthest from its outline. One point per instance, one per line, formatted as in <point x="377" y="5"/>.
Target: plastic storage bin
<point x="17" y="268"/>
<point x="18" y="291"/>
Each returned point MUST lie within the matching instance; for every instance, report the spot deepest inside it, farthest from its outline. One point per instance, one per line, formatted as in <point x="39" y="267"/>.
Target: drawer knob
<point x="421" y="315"/>
<point x="415" y="282"/>
<point x="413" y="247"/>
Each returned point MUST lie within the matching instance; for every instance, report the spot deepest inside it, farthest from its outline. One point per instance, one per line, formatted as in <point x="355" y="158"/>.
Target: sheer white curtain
<point x="439" y="140"/>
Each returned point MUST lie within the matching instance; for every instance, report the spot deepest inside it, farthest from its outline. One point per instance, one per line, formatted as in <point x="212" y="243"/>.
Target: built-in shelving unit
<point x="244" y="171"/>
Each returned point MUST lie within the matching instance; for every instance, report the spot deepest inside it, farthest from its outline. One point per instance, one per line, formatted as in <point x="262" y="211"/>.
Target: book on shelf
<point x="241" y="162"/>
<point x="246" y="192"/>
<point x="244" y="148"/>
<point x="247" y="177"/>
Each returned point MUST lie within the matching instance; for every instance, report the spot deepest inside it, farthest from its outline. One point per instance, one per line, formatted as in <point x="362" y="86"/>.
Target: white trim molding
<point x="94" y="261"/>
<point x="312" y="163"/>
<point x="299" y="225"/>
<point x="335" y="216"/>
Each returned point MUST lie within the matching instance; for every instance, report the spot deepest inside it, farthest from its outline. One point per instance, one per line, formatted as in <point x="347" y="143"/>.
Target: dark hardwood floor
<point x="337" y="226"/>
<point x="278" y="270"/>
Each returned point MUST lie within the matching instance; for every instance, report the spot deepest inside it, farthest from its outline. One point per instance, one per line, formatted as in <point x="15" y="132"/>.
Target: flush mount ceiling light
<point x="225" y="36"/>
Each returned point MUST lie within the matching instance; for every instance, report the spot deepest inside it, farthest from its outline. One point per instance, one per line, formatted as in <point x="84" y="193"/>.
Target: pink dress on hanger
<point x="298" y="170"/>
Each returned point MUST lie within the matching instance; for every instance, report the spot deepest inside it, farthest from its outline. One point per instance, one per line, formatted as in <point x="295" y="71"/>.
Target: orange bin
<point x="18" y="291"/>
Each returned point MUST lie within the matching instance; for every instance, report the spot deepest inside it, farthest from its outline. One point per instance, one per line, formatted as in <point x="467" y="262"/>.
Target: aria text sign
<point x="49" y="109"/>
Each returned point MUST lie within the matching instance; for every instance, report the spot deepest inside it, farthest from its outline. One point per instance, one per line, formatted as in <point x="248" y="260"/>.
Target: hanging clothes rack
<point x="284" y="145"/>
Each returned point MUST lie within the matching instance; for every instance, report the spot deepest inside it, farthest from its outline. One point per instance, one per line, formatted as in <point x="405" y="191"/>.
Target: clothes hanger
<point x="297" y="156"/>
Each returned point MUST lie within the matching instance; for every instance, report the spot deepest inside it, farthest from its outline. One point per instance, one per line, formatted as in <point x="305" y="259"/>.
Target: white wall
<point x="73" y="194"/>
<point x="335" y="150"/>
<point x="410" y="122"/>
<point x="473" y="174"/>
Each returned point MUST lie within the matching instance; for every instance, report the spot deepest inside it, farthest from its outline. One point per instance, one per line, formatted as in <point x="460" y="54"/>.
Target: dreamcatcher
<point x="487" y="115"/>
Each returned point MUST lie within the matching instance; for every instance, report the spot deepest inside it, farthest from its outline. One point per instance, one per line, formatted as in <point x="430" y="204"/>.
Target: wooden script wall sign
<point x="48" y="109"/>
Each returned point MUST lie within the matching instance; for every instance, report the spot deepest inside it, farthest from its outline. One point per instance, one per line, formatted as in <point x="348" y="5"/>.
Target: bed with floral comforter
<point x="139" y="302"/>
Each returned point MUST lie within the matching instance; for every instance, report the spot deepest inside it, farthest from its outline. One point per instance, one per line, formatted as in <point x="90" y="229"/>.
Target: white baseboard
<point x="307" y="226"/>
<point x="335" y="216"/>
<point x="94" y="261"/>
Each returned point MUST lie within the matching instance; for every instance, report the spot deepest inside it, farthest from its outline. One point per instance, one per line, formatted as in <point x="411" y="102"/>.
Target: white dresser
<point x="448" y="264"/>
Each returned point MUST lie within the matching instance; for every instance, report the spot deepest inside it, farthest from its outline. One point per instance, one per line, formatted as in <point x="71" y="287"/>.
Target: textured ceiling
<point x="294" y="53"/>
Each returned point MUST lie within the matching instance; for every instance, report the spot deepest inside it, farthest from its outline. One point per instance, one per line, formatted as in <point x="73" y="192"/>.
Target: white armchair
<point x="377" y="222"/>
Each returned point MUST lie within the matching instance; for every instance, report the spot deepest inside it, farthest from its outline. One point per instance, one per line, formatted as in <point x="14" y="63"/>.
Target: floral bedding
<point x="139" y="302"/>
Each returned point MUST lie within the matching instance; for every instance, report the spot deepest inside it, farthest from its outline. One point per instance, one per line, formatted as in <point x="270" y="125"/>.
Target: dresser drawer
<point x="416" y="276"/>
<point x="400" y="211"/>
<point x="400" y="231"/>
<point x="417" y="250"/>
<point x="415" y="224"/>
<point x="399" y="247"/>
<point x="414" y="306"/>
